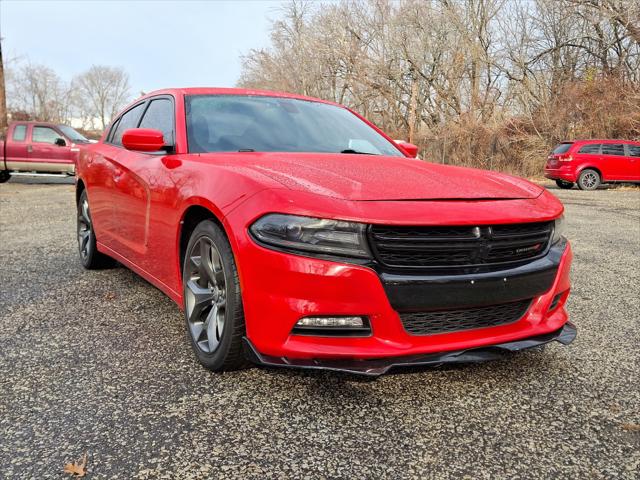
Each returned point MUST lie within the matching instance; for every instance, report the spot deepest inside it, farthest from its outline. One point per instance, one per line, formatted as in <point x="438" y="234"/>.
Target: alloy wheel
<point x="589" y="180"/>
<point x="84" y="229"/>
<point x="205" y="295"/>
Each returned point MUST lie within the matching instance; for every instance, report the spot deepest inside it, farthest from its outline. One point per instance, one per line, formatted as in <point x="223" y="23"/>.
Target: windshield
<point x="236" y="123"/>
<point x="72" y="135"/>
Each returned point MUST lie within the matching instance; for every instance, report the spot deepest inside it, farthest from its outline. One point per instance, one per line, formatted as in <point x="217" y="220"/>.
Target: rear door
<point x="44" y="153"/>
<point x="16" y="147"/>
<point x="633" y="153"/>
<point x="614" y="162"/>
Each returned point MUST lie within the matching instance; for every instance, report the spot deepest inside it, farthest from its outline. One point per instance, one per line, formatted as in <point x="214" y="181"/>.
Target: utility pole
<point x="4" y="121"/>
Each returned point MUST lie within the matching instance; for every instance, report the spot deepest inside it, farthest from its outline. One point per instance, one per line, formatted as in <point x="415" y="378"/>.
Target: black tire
<point x="214" y="317"/>
<point x="90" y="257"/>
<point x="564" y="184"/>
<point x="589" y="179"/>
<point x="5" y="175"/>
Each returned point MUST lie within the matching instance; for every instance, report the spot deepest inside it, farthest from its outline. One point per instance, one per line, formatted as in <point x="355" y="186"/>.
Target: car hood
<point x="380" y="178"/>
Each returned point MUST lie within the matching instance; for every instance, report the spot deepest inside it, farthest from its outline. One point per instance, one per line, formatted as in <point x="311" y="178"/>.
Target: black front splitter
<point x="376" y="367"/>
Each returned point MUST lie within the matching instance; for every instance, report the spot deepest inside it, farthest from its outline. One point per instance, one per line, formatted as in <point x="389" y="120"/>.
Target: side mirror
<point x="410" y="148"/>
<point x="60" y="142"/>
<point x="143" y="140"/>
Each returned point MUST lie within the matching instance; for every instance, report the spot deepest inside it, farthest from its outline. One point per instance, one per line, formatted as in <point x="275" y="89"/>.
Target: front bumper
<point x="380" y="366"/>
<point x="280" y="288"/>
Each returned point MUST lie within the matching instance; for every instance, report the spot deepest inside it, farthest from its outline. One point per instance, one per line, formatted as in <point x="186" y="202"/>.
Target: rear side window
<point x="591" y="148"/>
<point x="634" y="150"/>
<point x="562" y="148"/>
<point x="613" y="149"/>
<point x="19" y="133"/>
<point x="45" y="135"/>
<point x="127" y="121"/>
<point x="159" y="116"/>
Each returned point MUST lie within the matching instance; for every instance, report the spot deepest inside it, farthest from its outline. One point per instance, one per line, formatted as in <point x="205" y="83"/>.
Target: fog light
<point x="333" y="326"/>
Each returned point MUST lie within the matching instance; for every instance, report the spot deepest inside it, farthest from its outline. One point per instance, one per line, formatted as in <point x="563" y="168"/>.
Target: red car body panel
<point x="29" y="155"/>
<point x="612" y="168"/>
<point x="139" y="200"/>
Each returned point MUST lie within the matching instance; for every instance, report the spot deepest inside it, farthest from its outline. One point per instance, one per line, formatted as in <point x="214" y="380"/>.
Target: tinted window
<point x="634" y="150"/>
<point x="592" y="148"/>
<point x="159" y="116"/>
<point x="45" y="135"/>
<point x="613" y="149"/>
<point x="231" y="123"/>
<point x="562" y="148"/>
<point x="127" y="121"/>
<point x="20" y="133"/>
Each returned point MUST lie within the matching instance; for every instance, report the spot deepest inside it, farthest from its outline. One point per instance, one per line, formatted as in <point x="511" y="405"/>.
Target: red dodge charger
<point x="295" y="233"/>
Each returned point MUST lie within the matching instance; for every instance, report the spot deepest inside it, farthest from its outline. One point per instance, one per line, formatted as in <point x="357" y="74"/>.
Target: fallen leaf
<point x="77" y="468"/>
<point x="110" y="296"/>
<point x="631" y="427"/>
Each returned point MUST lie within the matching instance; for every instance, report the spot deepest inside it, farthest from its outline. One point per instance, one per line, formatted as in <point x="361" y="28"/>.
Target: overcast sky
<point x="159" y="43"/>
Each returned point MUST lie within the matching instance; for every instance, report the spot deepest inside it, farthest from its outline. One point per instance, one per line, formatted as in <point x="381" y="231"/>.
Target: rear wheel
<point x="589" y="179"/>
<point x="90" y="257"/>
<point x="5" y="175"/>
<point x="564" y="184"/>
<point x="212" y="299"/>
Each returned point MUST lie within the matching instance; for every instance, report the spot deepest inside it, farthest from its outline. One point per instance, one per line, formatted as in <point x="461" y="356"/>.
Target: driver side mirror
<point x="410" y="148"/>
<point x="143" y="140"/>
<point x="60" y="142"/>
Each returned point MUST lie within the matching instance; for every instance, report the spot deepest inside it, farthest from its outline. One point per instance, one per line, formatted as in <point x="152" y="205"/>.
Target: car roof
<point x="601" y="140"/>
<point x="233" y="91"/>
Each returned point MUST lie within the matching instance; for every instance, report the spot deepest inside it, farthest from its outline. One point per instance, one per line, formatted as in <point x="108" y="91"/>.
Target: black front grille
<point x="447" y="321"/>
<point x="458" y="246"/>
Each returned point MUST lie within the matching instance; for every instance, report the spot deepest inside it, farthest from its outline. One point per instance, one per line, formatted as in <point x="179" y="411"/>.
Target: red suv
<point x="294" y="233"/>
<point x="592" y="162"/>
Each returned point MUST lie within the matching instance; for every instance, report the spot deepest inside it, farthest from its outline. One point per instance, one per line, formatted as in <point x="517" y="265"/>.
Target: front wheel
<point x="212" y="299"/>
<point x="564" y="184"/>
<point x="589" y="179"/>
<point x="5" y="175"/>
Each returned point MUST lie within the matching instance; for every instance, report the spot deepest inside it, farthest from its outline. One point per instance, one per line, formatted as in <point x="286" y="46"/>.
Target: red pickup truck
<point x="39" y="147"/>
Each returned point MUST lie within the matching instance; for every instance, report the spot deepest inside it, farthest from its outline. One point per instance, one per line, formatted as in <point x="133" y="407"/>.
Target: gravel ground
<point x="98" y="362"/>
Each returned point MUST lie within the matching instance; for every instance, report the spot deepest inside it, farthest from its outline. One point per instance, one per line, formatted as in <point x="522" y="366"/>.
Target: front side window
<point x="593" y="148"/>
<point x="634" y="150"/>
<point x="233" y="123"/>
<point x="613" y="149"/>
<point x="159" y="116"/>
<point x="127" y="121"/>
<point x="19" y="133"/>
<point x="45" y="135"/>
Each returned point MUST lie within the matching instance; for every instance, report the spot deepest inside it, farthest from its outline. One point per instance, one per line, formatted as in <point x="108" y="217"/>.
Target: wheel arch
<point x="191" y="217"/>
<point x="80" y="187"/>
<point x="589" y="167"/>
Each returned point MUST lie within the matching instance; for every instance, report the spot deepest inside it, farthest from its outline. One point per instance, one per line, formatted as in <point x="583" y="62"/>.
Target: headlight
<point x="312" y="235"/>
<point x="558" y="230"/>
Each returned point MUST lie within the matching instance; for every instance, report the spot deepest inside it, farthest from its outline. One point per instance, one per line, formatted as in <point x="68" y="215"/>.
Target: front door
<point x="48" y="149"/>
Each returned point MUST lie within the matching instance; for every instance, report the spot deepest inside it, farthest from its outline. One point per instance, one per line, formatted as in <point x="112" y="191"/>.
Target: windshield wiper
<point x="246" y="150"/>
<point x="351" y="150"/>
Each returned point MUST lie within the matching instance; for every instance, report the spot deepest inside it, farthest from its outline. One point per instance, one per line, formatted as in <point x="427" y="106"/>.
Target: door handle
<point x="29" y="148"/>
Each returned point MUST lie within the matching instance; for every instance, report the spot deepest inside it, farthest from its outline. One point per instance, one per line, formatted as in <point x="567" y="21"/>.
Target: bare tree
<point x="101" y="92"/>
<point x="38" y="90"/>
<point x="3" y="96"/>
